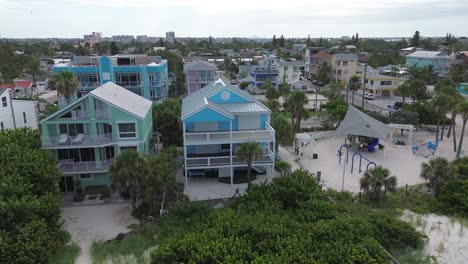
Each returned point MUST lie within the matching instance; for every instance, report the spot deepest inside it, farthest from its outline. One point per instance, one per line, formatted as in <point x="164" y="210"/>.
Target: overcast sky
<point x="233" y="18"/>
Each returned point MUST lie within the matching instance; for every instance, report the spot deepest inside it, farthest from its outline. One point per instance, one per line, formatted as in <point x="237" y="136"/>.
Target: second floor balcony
<point x="216" y="161"/>
<point x="75" y="167"/>
<point x="81" y="140"/>
<point x="201" y="79"/>
<point x="266" y="134"/>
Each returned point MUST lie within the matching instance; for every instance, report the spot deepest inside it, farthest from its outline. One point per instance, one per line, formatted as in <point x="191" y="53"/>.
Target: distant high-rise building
<point x="94" y="37"/>
<point x="142" y="38"/>
<point x="123" y="38"/>
<point x="170" y="37"/>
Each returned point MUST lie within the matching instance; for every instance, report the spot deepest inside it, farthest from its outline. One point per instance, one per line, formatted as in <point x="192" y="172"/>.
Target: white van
<point x="369" y="96"/>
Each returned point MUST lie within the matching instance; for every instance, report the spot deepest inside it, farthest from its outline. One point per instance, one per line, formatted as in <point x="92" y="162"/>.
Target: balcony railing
<point x="266" y="157"/>
<point x="241" y="135"/>
<point x="129" y="84"/>
<point x="200" y="79"/>
<point x="80" y="140"/>
<point x="89" y="84"/>
<point x="70" y="166"/>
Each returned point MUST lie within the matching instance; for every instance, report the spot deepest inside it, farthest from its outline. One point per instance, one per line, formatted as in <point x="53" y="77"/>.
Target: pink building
<point x="198" y="74"/>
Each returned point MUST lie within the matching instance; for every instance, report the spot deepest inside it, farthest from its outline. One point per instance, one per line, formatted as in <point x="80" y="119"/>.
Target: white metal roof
<point x="427" y="54"/>
<point x="123" y="98"/>
<point x="194" y="102"/>
<point x="199" y="65"/>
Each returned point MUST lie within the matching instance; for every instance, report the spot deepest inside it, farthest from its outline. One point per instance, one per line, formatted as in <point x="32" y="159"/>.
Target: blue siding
<point x="263" y="119"/>
<point x="233" y="98"/>
<point x="223" y="126"/>
<point x="105" y="65"/>
<point x="207" y="115"/>
<point x="235" y="123"/>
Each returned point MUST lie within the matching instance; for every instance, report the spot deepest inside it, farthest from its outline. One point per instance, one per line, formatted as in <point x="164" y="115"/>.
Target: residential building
<point x="438" y="59"/>
<point x="142" y="38"/>
<point x="298" y="48"/>
<point x="216" y="120"/>
<point x="93" y="38"/>
<point x="309" y="52"/>
<point x="316" y="61"/>
<point x="170" y="37"/>
<point x="89" y="133"/>
<point x="289" y="71"/>
<point x="409" y="50"/>
<point x="16" y="113"/>
<point x="144" y="75"/>
<point x="127" y="39"/>
<point x="19" y="88"/>
<point x="298" y="85"/>
<point x="376" y="83"/>
<point x="344" y="66"/>
<point x="462" y="57"/>
<point x="266" y="70"/>
<point x="198" y="74"/>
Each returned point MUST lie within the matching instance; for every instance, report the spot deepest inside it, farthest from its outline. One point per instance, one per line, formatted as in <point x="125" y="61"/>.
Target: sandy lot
<point x="97" y="222"/>
<point x="447" y="238"/>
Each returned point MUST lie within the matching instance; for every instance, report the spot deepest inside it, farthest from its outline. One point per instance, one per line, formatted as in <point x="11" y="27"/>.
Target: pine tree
<point x="415" y="42"/>
<point x="274" y="41"/>
<point x="356" y="39"/>
<point x="281" y="44"/>
<point x="308" y="41"/>
<point x="320" y="42"/>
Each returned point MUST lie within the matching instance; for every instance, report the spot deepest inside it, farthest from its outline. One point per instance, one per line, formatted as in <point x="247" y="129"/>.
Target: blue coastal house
<point x="216" y="120"/>
<point x="143" y="75"/>
<point x="439" y="60"/>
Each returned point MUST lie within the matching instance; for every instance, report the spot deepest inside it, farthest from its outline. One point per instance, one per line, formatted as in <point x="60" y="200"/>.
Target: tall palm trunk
<point x="442" y="133"/>
<point x="454" y="138"/>
<point x="34" y="86"/>
<point x="249" y="171"/>
<point x="461" y="138"/>
<point x="352" y="98"/>
<point x="452" y="124"/>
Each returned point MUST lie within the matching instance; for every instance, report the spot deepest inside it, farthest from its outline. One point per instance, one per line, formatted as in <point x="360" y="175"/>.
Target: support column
<point x="185" y="158"/>
<point x="231" y="153"/>
<point x="410" y="137"/>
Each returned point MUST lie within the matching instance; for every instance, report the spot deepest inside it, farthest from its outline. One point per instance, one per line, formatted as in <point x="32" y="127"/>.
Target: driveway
<point x="96" y="222"/>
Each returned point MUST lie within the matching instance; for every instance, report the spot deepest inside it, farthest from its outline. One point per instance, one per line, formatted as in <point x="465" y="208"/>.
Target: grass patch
<point x="67" y="255"/>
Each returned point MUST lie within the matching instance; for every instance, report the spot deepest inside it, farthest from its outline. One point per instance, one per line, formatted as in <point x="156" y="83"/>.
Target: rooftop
<point x="321" y="55"/>
<point x="199" y="65"/>
<point x="428" y="54"/>
<point x="200" y="99"/>
<point x="346" y="56"/>
<point x="18" y="84"/>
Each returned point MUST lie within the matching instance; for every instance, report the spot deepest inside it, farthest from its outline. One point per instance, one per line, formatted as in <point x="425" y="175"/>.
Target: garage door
<point x="247" y="122"/>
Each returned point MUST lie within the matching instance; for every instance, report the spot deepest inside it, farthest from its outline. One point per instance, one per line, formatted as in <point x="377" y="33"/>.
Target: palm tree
<point x="454" y="101"/>
<point x="33" y="67"/>
<point x="354" y="84"/>
<point x="273" y="105"/>
<point x="404" y="90"/>
<point x="66" y="84"/>
<point x="284" y="131"/>
<point x="374" y="179"/>
<point x="248" y="152"/>
<point x="437" y="171"/>
<point x="324" y="73"/>
<point x="295" y="105"/>
<point x="462" y="109"/>
<point x="441" y="102"/>
<point x="283" y="167"/>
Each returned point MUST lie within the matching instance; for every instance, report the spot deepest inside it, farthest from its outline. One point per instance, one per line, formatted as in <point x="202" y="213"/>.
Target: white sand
<point x="401" y="161"/>
<point x="447" y="239"/>
<point x="96" y="223"/>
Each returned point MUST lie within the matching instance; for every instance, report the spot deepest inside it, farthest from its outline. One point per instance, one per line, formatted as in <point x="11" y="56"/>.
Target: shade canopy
<point x="359" y="124"/>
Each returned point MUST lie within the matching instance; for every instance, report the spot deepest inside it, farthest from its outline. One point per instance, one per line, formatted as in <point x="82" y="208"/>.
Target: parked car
<point x="369" y="96"/>
<point x="233" y="81"/>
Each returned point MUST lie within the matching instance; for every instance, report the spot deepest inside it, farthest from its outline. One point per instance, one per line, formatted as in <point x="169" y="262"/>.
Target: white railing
<point x="89" y="84"/>
<point x="129" y="84"/>
<point x="266" y="157"/>
<point x="267" y="133"/>
<point x="70" y="166"/>
<point x="78" y="140"/>
<point x="201" y="79"/>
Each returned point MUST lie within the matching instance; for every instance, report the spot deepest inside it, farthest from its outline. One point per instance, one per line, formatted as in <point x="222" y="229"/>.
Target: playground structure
<point x="402" y="127"/>
<point x="355" y="153"/>
<point x="301" y="141"/>
<point x="428" y="146"/>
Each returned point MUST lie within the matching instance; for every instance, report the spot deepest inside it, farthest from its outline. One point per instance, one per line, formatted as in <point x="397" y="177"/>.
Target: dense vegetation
<point x="30" y="226"/>
<point x="288" y="221"/>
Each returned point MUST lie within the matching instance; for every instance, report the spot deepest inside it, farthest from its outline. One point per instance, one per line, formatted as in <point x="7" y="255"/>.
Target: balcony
<point x="103" y="114"/>
<point x="129" y="84"/>
<point x="267" y="157"/>
<point x="84" y="115"/>
<point x="88" y="85"/>
<point x="201" y="79"/>
<point x="267" y="134"/>
<point x="72" y="167"/>
<point x="65" y="141"/>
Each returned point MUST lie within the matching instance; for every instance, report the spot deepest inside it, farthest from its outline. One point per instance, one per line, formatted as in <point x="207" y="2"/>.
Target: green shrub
<point x="454" y="197"/>
<point x="393" y="233"/>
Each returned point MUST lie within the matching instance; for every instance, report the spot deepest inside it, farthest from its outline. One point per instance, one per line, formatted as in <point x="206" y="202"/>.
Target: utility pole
<point x="347" y="92"/>
<point x="364" y="88"/>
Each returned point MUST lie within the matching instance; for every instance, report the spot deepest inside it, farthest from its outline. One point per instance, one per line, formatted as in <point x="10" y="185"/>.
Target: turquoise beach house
<point x="439" y="60"/>
<point x="216" y="120"/>
<point x="89" y="133"/>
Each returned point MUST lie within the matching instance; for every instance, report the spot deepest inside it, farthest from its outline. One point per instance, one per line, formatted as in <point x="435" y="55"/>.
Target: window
<point x="225" y="147"/>
<point x="88" y="80"/>
<point x="285" y="68"/>
<point x="4" y="101"/>
<point x="24" y="118"/>
<point x="385" y="82"/>
<point x="128" y="79"/>
<point x="2" y="126"/>
<point x="128" y="148"/>
<point x="86" y="176"/>
<point x="345" y="63"/>
<point x="127" y="130"/>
